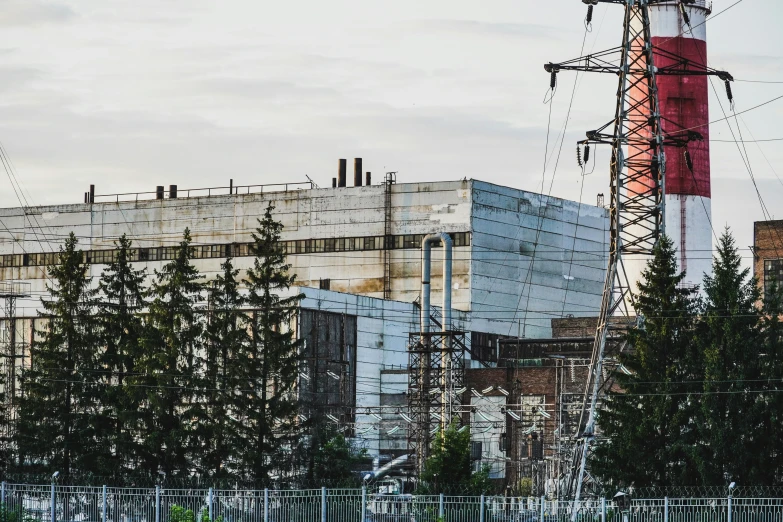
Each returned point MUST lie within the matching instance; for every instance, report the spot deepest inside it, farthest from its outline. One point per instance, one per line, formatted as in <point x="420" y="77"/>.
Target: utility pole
<point x="637" y="180"/>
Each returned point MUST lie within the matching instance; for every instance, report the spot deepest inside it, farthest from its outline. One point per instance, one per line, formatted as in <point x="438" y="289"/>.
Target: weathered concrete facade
<point x="520" y="258"/>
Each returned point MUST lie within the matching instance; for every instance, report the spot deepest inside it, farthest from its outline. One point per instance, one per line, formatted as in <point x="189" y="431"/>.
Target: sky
<point x="128" y="95"/>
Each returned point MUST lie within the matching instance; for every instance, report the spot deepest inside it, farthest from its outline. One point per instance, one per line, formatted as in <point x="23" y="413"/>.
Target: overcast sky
<point x="133" y="94"/>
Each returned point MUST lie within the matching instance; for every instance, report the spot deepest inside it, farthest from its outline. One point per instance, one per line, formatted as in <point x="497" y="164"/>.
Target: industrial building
<point x="768" y="253"/>
<point x="519" y="260"/>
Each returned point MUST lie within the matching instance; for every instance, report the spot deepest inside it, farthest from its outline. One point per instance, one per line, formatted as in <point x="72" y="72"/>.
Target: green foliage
<point x="448" y="470"/>
<point x="646" y="425"/>
<point x="167" y="366"/>
<point x="59" y="412"/>
<point x="336" y="459"/>
<point x="270" y="362"/>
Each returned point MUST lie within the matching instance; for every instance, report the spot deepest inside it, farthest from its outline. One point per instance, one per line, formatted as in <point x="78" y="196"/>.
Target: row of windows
<point x="773" y="273"/>
<point x="304" y="246"/>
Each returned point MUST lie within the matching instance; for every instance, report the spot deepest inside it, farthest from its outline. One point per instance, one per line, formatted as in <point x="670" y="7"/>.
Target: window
<point x="325" y="284"/>
<point x="773" y="273"/>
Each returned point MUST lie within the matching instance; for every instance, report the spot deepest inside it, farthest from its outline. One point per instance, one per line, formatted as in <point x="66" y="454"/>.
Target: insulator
<point x="685" y="17"/>
<point x="589" y="18"/>
<point x="728" y="90"/>
<point x="688" y="160"/>
<point x="579" y="156"/>
<point x="553" y="80"/>
<point x="587" y="152"/>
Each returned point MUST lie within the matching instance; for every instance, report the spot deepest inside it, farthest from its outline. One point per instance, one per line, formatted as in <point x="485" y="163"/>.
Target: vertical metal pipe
<point x="103" y="515"/>
<point x="357" y="172"/>
<point x="2" y="494"/>
<point x="603" y="509"/>
<point x="543" y="501"/>
<point x="364" y="503"/>
<point x="441" y="511"/>
<point x="323" y="504"/>
<point x="231" y="186"/>
<point x="157" y="503"/>
<point x="368" y="179"/>
<point x="211" y="517"/>
<point x="665" y="509"/>
<point x="92" y="193"/>
<point x="53" y="505"/>
<point x="426" y="265"/>
<point x="728" y="518"/>
<point x="266" y="505"/>
<point x="342" y="172"/>
<point x="481" y="510"/>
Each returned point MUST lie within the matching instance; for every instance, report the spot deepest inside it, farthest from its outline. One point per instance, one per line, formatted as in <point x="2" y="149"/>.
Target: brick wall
<point x="768" y="244"/>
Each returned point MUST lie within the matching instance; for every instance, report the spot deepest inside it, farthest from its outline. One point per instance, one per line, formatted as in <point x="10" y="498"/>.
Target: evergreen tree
<point x="122" y="301"/>
<point x="226" y="340"/>
<point x="167" y="368"/>
<point x="269" y="431"/>
<point x="337" y="460"/>
<point x="731" y="413"/>
<point x="59" y="411"/>
<point x="646" y="428"/>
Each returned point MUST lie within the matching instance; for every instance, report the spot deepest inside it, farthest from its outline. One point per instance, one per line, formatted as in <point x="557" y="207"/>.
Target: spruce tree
<point x="646" y="431"/>
<point x="59" y="410"/>
<point x="729" y="335"/>
<point x="226" y="340"/>
<point x="122" y="299"/>
<point x="270" y="362"/>
<point x="771" y="385"/>
<point x="167" y="367"/>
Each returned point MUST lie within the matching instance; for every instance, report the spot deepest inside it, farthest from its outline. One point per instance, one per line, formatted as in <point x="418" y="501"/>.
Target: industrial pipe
<point x="426" y="270"/>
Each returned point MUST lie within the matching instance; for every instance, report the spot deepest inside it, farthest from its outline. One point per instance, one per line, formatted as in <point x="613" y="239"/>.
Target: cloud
<point x="16" y="13"/>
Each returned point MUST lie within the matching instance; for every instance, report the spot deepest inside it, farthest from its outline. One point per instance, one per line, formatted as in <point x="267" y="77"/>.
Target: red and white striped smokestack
<point x="683" y="102"/>
<point x="684" y="105"/>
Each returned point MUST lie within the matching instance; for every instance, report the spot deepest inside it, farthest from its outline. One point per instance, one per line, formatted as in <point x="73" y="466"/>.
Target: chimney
<point x="172" y="192"/>
<point x="357" y="172"/>
<point x="159" y="192"/>
<point x="334" y="182"/>
<point x="368" y="180"/>
<point x="92" y="194"/>
<point x="342" y="173"/>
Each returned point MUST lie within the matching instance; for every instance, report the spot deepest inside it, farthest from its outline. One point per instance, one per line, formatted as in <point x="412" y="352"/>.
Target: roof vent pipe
<point x="334" y="182"/>
<point x="92" y="194"/>
<point x="172" y="192"/>
<point x="159" y="192"/>
<point x="357" y="172"/>
<point x="368" y="179"/>
<point x="341" y="172"/>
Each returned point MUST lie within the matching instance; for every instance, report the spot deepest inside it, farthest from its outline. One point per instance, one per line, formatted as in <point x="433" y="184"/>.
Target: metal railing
<point x="55" y="503"/>
<point x="202" y="192"/>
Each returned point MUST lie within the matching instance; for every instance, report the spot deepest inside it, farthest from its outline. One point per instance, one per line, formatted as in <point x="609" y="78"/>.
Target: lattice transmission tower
<point x="637" y="180"/>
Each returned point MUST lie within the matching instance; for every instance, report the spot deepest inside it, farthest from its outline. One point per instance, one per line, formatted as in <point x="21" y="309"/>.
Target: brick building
<point x="768" y="253"/>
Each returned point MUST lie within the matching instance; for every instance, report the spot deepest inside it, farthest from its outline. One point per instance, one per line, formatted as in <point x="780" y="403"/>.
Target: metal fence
<point x="54" y="503"/>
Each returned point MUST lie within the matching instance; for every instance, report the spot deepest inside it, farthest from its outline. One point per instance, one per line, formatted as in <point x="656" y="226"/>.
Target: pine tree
<point x="647" y="437"/>
<point x="270" y="362"/>
<point x="167" y="367"/>
<point x="226" y="340"/>
<point x="771" y="359"/>
<point x="59" y="410"/>
<point x="122" y="301"/>
<point x="729" y="334"/>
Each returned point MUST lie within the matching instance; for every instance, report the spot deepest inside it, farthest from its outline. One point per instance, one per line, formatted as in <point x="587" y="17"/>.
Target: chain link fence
<point x="57" y="503"/>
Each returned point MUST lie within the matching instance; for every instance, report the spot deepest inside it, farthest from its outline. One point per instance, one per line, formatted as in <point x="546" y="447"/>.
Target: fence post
<point x="441" y="512"/>
<point x="2" y="493"/>
<point x="211" y="518"/>
<point x="666" y="509"/>
<point x="53" y="506"/>
<point x="364" y="504"/>
<point x="103" y="516"/>
<point x="157" y="503"/>
<point x="266" y="505"/>
<point x="543" y="499"/>
<point x="729" y="517"/>
<point x="603" y="509"/>
<point x="481" y="512"/>
<point x="323" y="504"/>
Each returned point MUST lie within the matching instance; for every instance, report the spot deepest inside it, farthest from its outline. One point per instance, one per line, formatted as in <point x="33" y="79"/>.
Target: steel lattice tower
<point x="637" y="204"/>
